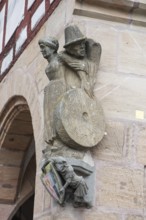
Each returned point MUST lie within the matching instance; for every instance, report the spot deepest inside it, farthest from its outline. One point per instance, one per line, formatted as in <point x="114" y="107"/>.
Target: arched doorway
<point x="25" y="212"/>
<point x="17" y="159"/>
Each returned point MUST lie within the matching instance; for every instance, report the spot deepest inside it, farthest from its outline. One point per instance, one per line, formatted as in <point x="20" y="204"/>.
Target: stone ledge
<point x="126" y="11"/>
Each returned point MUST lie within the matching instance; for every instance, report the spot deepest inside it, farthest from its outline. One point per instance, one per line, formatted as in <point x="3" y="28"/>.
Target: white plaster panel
<point x="38" y="15"/>
<point x="51" y="1"/>
<point x="2" y="13"/>
<point x="7" y="61"/>
<point x="29" y="4"/>
<point x="14" y="17"/>
<point x="21" y="39"/>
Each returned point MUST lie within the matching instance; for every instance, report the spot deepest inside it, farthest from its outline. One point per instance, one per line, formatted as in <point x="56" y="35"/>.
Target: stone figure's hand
<point x="77" y="66"/>
<point x="62" y="190"/>
<point x="85" y="85"/>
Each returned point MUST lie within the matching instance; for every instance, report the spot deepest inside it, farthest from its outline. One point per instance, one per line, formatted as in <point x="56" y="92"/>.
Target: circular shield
<point x="79" y="120"/>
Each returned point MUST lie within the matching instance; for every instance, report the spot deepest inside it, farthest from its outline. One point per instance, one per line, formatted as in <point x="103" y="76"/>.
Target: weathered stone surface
<point x="45" y="217"/>
<point x="47" y="200"/>
<point x="111" y="146"/>
<point x="39" y="196"/>
<point x="52" y="94"/>
<point x="130" y="142"/>
<point x="120" y="187"/>
<point x="100" y="216"/>
<point x="141" y="145"/>
<point x="114" y="102"/>
<point x="131" y="49"/>
<point x="79" y="120"/>
<point x="135" y="217"/>
<point x="108" y="41"/>
<point x="128" y="11"/>
<point x="63" y="216"/>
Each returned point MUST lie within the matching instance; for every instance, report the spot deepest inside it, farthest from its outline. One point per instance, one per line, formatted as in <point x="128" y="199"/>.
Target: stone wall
<point x="120" y="158"/>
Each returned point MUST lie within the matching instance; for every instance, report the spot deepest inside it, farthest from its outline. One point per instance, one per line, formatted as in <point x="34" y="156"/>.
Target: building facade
<point x="120" y="158"/>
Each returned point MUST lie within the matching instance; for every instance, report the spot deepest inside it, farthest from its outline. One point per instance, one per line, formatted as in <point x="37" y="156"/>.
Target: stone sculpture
<point x="73" y="118"/>
<point x="76" y="183"/>
<point x="82" y="57"/>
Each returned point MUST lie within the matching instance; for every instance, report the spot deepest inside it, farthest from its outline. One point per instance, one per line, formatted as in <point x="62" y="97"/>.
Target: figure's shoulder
<point x="91" y="42"/>
<point x="93" y="49"/>
<point x="69" y="169"/>
<point x="66" y="58"/>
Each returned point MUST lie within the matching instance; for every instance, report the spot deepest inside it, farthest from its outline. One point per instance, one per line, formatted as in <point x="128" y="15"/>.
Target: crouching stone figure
<point x="76" y="184"/>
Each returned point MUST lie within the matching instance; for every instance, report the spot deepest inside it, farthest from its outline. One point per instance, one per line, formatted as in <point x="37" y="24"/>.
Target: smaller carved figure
<point x="72" y="180"/>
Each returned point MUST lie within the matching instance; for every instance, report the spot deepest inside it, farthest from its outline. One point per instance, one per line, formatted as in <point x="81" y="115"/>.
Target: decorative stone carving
<point x="55" y="88"/>
<point x="79" y="120"/>
<point x="74" y="119"/>
<point x="81" y="58"/>
<point x="73" y="184"/>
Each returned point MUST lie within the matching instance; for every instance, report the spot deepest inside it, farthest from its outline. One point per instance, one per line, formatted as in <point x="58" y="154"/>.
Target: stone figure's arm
<point x="75" y="64"/>
<point x="65" y="185"/>
<point x="85" y="84"/>
<point x="93" y="50"/>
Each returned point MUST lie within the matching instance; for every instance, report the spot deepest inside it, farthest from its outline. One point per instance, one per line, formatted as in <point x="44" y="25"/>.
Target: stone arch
<point x="20" y="83"/>
<point x="17" y="147"/>
<point x="24" y="207"/>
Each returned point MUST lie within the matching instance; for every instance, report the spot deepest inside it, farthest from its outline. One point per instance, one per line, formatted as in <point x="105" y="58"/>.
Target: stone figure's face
<point x="59" y="166"/>
<point x="77" y="49"/>
<point x="46" y="51"/>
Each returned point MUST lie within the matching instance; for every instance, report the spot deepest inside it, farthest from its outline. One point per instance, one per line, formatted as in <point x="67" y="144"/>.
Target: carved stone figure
<point x="72" y="180"/>
<point x="73" y="118"/>
<point x="82" y="57"/>
<point x="52" y="91"/>
<point x="49" y="47"/>
<point x="78" y="107"/>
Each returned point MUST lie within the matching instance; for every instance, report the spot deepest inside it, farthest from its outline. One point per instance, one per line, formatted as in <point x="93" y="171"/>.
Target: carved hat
<point x="73" y="35"/>
<point x="50" y="42"/>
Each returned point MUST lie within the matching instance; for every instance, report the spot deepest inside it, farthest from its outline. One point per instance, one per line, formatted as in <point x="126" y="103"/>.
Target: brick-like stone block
<point x="141" y="145"/>
<point x="125" y="99"/>
<point x="120" y="188"/>
<point x="107" y="41"/>
<point x="111" y="146"/>
<point x="100" y="216"/>
<point x="131" y="50"/>
<point x="134" y="217"/>
<point x="64" y="216"/>
<point x="46" y="217"/>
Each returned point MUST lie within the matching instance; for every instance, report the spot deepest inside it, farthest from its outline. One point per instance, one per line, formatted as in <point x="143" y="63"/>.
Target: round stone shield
<point x="79" y="120"/>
